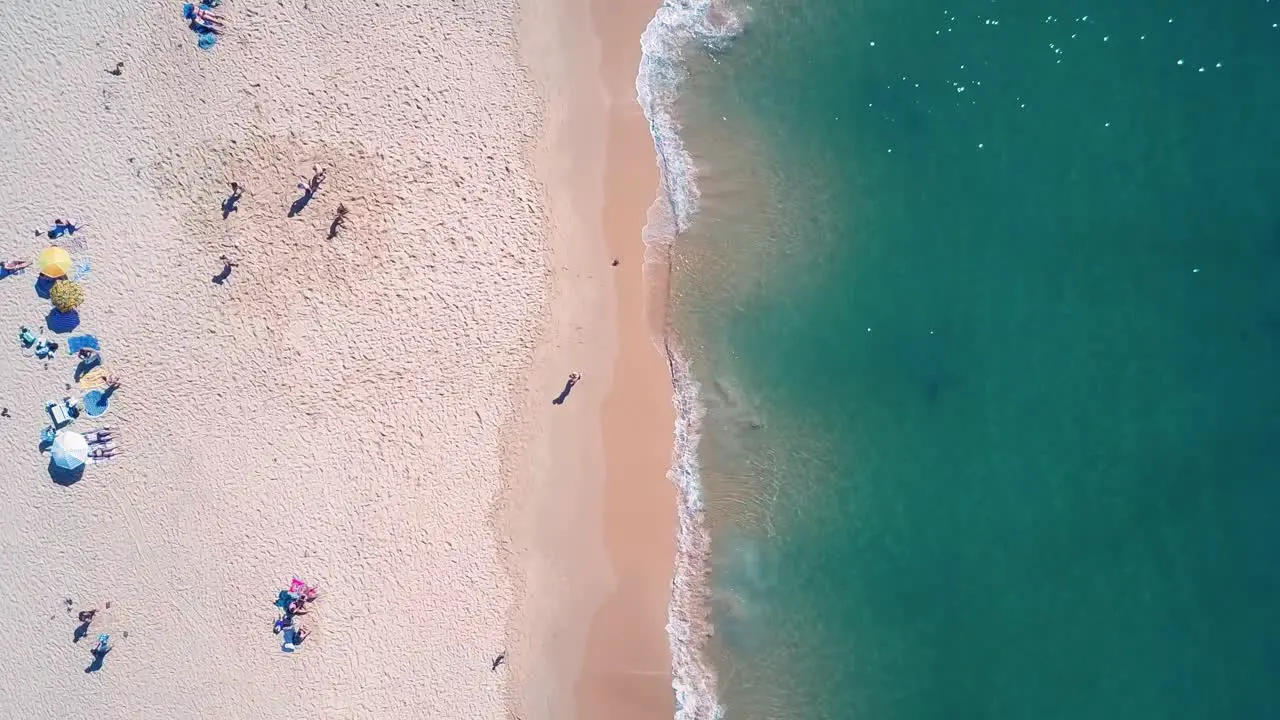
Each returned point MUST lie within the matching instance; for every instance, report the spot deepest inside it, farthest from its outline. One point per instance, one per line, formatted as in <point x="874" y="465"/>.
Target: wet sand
<point x="598" y="526"/>
<point x="627" y="673"/>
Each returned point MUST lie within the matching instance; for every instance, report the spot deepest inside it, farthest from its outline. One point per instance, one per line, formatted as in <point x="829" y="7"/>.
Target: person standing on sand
<point x="312" y="186"/>
<point x="339" y="220"/>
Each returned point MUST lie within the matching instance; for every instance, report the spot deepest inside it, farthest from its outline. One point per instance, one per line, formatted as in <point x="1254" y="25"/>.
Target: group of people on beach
<point x="308" y="186"/>
<point x="102" y="443"/>
<point x="293" y="603"/>
<point x="102" y="646"/>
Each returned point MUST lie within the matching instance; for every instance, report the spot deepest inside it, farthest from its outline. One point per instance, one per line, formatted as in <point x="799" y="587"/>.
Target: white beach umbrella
<point x="70" y="450"/>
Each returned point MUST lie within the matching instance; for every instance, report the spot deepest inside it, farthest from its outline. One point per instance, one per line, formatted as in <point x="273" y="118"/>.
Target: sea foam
<point x="681" y="26"/>
<point x="678" y="27"/>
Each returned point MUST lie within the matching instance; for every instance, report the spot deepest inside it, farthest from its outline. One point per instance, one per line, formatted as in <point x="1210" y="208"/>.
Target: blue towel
<point x="76" y="342"/>
<point x="207" y="40"/>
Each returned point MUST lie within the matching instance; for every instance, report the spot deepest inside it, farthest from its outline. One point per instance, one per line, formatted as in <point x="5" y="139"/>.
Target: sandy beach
<point x="602" y="551"/>
<point x="368" y="412"/>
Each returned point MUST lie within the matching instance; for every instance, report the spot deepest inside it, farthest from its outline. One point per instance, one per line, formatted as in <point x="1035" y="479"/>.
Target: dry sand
<point x="337" y="410"/>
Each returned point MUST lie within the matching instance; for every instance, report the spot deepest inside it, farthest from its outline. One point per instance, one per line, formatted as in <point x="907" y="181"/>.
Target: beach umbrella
<point x="55" y="262"/>
<point x="70" y="450"/>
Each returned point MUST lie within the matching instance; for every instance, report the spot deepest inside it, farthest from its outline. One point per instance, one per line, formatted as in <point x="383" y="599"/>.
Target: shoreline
<point x="596" y="522"/>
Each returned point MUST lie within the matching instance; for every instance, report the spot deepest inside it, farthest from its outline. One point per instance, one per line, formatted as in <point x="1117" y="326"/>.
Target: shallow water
<point x="980" y="299"/>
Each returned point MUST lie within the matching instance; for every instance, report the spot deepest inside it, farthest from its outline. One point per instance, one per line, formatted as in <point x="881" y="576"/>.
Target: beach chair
<point x="63" y="412"/>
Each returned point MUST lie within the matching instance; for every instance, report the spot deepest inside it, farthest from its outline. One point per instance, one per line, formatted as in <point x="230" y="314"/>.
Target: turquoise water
<point x="982" y="300"/>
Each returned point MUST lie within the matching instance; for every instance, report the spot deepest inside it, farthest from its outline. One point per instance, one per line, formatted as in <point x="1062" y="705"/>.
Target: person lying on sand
<point x="60" y="227"/>
<point x="104" y="452"/>
<point x="98" y="437"/>
<point x="13" y="266"/>
<point x="206" y="17"/>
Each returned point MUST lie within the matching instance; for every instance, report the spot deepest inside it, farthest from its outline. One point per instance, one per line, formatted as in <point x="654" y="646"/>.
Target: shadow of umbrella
<point x="64" y="476"/>
<point x="44" y="284"/>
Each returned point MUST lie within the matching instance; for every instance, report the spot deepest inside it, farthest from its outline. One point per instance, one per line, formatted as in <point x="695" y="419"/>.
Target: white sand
<point x="337" y="411"/>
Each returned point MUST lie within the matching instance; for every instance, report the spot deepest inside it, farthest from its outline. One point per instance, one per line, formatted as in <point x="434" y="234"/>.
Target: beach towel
<point x="77" y="342"/>
<point x="95" y="379"/>
<point x="95" y="403"/>
<point x="81" y="270"/>
<point x="290" y="640"/>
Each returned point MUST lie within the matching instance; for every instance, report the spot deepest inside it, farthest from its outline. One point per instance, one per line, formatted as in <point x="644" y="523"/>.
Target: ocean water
<point x="976" y="323"/>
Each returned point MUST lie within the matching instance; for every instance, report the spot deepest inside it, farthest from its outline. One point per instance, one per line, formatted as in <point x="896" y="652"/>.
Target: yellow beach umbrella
<point x="55" y="262"/>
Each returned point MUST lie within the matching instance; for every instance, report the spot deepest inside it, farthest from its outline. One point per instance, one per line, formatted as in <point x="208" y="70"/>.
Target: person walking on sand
<point x="339" y="220"/>
<point x="227" y="265"/>
<point x="317" y="180"/>
<point x="229" y="205"/>
<point x="568" y="387"/>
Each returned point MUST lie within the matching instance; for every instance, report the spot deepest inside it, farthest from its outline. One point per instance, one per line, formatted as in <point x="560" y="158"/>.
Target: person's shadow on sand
<point x="229" y="205"/>
<point x="301" y="203"/>
<point x="81" y="630"/>
<point x="568" y="388"/>
<point x="227" y="266"/>
<point x="98" y="658"/>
